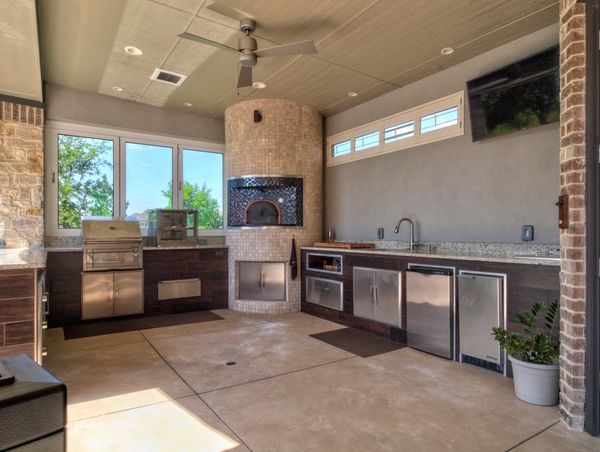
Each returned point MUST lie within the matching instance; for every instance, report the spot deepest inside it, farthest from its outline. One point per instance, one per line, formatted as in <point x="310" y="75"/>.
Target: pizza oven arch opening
<point x="262" y="213"/>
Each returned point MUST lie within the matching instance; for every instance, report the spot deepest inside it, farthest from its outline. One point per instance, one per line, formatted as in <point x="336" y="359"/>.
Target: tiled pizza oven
<point x="274" y="169"/>
<point x="264" y="200"/>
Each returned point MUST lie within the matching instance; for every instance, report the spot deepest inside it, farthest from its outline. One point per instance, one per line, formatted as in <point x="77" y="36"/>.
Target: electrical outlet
<point x="527" y="233"/>
<point x="380" y="233"/>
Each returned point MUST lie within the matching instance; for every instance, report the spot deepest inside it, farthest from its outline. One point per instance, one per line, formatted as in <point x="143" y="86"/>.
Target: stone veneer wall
<point x="572" y="240"/>
<point x="288" y="141"/>
<point x="21" y="175"/>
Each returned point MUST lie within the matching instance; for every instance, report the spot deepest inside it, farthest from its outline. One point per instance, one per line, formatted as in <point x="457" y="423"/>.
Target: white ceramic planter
<point x="535" y="383"/>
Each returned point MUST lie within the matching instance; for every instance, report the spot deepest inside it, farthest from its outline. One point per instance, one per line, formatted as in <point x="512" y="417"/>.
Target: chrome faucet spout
<point x="412" y="231"/>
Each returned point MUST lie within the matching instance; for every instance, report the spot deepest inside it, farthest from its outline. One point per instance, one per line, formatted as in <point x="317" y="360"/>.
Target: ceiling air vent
<point x="172" y="78"/>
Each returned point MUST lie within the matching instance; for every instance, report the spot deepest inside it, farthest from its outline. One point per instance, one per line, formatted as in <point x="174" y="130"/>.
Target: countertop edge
<point x="480" y="258"/>
<point x="146" y="248"/>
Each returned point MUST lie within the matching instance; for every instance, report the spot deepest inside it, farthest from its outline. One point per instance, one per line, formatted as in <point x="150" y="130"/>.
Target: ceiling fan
<point x="248" y="51"/>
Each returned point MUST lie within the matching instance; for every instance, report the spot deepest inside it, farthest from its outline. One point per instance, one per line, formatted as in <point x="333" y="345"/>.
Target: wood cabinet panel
<point x="17" y="311"/>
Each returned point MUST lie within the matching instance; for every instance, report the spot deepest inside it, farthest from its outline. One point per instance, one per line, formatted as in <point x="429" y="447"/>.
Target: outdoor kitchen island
<point x="206" y="263"/>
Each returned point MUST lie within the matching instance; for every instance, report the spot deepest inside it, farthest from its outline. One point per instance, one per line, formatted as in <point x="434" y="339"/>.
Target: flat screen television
<point x="519" y="96"/>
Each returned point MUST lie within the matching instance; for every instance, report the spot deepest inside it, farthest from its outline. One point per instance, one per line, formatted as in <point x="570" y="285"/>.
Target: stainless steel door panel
<point x="129" y="292"/>
<point x="97" y="295"/>
<point x="179" y="288"/>
<point x="250" y="280"/>
<point x="480" y="304"/>
<point x="387" y="297"/>
<point x="428" y="312"/>
<point x="273" y="281"/>
<point x="363" y="288"/>
<point x="325" y="292"/>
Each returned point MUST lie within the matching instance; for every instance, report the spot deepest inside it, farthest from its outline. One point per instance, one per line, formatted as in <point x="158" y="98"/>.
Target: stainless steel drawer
<point x="179" y="288"/>
<point x="325" y="292"/>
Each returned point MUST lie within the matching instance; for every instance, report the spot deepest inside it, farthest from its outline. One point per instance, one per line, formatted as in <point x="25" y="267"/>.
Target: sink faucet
<point x="412" y="231"/>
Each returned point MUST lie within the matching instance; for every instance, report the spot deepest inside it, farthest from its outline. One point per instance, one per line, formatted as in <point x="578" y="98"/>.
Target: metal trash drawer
<point x="325" y="292"/>
<point x="179" y="288"/>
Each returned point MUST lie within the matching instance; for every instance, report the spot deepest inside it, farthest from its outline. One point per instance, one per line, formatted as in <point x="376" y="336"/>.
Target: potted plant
<point x="533" y="354"/>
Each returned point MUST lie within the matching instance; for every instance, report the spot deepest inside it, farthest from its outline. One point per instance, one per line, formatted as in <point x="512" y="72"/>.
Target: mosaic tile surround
<point x="287" y="142"/>
<point x="285" y="192"/>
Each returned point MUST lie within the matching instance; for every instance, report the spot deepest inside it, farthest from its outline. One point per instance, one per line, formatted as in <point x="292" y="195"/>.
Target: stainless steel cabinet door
<point x="479" y="307"/>
<point x="250" y="280"/>
<point x="428" y="313"/>
<point x="129" y="292"/>
<point x="96" y="295"/>
<point x="387" y="297"/>
<point x="364" y="289"/>
<point x="273" y="281"/>
<point x="325" y="292"/>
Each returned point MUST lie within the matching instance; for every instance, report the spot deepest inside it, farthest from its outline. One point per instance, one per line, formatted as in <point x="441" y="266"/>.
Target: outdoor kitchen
<point x="250" y="225"/>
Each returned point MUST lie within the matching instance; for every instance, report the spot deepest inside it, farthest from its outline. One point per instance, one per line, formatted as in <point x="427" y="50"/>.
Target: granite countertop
<point x="443" y="254"/>
<point x="14" y="258"/>
<point x="146" y="248"/>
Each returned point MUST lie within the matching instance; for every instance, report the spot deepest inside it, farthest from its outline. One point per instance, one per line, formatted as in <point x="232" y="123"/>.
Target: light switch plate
<point x="527" y="233"/>
<point x="380" y="233"/>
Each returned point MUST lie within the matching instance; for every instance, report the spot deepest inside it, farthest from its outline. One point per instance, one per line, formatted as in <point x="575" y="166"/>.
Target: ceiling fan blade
<point x="293" y="48"/>
<point x="218" y="45"/>
<point x="245" y="79"/>
<point x="228" y="11"/>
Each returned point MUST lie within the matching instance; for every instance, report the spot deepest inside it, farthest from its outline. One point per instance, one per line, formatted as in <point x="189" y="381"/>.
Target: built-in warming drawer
<point x="179" y="288"/>
<point x="325" y="292"/>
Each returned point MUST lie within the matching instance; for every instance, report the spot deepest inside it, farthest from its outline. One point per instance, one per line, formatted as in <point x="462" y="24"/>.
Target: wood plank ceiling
<point x="20" y="71"/>
<point x="369" y="47"/>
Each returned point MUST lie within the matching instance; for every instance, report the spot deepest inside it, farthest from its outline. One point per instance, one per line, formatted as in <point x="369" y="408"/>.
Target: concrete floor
<point x="169" y="389"/>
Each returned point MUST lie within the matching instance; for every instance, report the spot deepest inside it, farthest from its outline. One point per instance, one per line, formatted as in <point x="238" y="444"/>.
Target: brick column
<point x="21" y="175"/>
<point x="572" y="240"/>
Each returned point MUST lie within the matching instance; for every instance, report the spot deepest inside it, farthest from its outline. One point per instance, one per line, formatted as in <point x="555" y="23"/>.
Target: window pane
<point x="85" y="179"/>
<point x="342" y="148"/>
<point x="439" y="120"/>
<point x="203" y="186"/>
<point x="148" y="180"/>
<point x="399" y="132"/>
<point x="366" y="141"/>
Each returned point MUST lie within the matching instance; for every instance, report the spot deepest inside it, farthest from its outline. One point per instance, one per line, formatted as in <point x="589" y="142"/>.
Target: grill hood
<point x="111" y="230"/>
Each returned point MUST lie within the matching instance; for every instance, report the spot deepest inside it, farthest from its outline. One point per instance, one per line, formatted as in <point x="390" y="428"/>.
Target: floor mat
<point x="122" y="325"/>
<point x="358" y="342"/>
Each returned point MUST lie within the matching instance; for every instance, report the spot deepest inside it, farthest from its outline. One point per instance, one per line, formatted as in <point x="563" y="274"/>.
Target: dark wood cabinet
<point x="526" y="284"/>
<point x="17" y="312"/>
<point x="207" y="264"/>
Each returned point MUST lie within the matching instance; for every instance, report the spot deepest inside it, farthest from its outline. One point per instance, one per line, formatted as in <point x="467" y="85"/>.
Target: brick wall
<point x="21" y="175"/>
<point x="572" y="240"/>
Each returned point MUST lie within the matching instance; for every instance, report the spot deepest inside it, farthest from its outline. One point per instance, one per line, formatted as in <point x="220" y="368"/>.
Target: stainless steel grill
<point x="112" y="281"/>
<point x="111" y="245"/>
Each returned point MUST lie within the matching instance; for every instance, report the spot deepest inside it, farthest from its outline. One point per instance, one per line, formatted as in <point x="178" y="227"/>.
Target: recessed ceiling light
<point x="135" y="51"/>
<point x="447" y="51"/>
<point x="352" y="94"/>
<point x="117" y="89"/>
<point x="259" y="85"/>
<point x="187" y="104"/>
